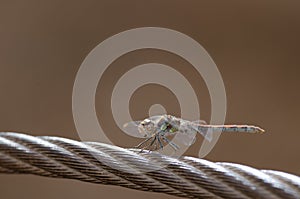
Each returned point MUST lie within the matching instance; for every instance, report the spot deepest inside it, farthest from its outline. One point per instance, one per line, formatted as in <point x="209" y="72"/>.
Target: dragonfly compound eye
<point x="145" y="122"/>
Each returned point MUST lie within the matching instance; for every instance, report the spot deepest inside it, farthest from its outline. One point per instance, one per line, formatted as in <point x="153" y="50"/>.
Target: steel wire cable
<point x="147" y="171"/>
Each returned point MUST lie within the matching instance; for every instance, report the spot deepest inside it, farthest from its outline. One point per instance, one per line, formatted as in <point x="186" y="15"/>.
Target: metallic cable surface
<point x="106" y="164"/>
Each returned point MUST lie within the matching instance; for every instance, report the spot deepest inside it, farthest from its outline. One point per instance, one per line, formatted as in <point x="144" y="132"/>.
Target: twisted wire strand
<point x="110" y="165"/>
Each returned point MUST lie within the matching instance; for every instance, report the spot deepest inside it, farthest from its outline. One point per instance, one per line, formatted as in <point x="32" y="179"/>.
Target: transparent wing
<point x="155" y="118"/>
<point x="188" y="130"/>
<point x="207" y="133"/>
<point x="186" y="139"/>
<point x="199" y="122"/>
<point x="185" y="134"/>
<point x="182" y="123"/>
<point x="131" y="128"/>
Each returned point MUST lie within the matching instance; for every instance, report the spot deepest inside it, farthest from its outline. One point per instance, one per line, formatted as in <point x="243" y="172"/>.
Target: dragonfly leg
<point x="160" y="143"/>
<point x="140" y="144"/>
<point x="174" y="146"/>
<point x="156" y="146"/>
<point x="151" y="144"/>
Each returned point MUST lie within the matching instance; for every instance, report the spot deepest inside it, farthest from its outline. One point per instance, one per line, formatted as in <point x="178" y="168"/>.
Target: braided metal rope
<point x="105" y="164"/>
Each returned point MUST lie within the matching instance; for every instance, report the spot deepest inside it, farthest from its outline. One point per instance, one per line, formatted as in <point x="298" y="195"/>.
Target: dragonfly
<point x="157" y="129"/>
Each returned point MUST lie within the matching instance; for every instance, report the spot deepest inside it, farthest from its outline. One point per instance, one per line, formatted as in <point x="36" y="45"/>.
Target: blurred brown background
<point x="255" y="45"/>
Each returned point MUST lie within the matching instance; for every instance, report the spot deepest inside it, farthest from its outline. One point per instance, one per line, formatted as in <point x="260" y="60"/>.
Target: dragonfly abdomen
<point x="231" y="128"/>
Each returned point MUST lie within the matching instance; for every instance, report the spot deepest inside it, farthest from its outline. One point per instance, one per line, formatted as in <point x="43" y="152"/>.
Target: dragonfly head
<point x="147" y="127"/>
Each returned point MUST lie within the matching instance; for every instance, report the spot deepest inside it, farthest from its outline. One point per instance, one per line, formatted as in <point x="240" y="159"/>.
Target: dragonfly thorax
<point x="157" y="124"/>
